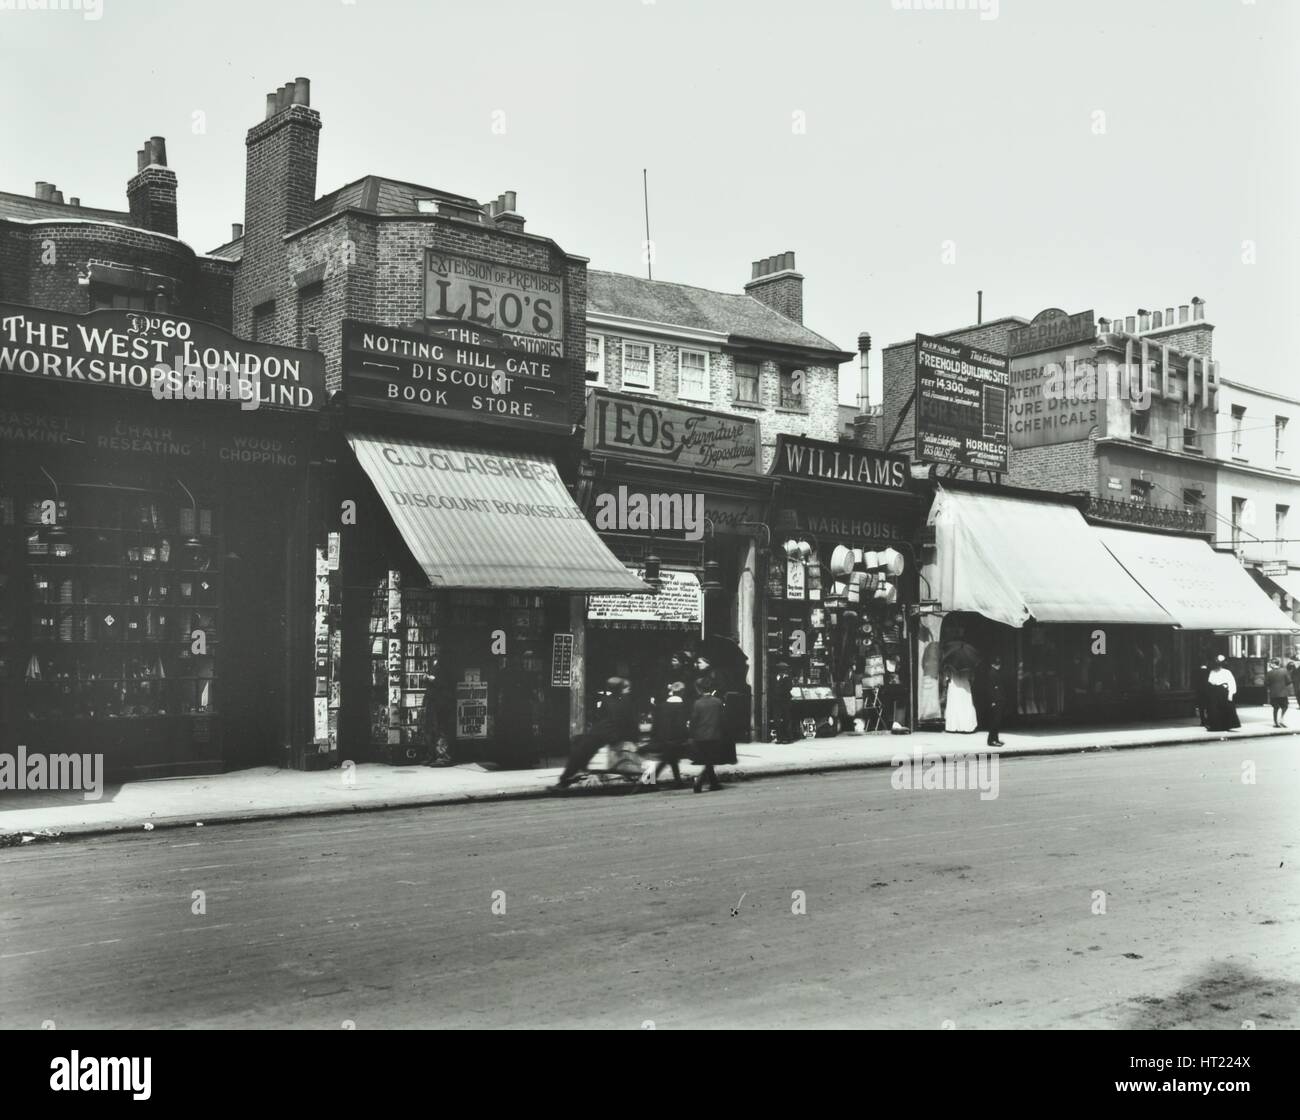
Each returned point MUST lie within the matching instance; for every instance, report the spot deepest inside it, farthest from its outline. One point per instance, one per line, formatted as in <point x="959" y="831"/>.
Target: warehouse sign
<point x="961" y="404"/>
<point x="525" y="305"/>
<point x="454" y="371"/>
<point x="671" y="433"/>
<point x="157" y="353"/>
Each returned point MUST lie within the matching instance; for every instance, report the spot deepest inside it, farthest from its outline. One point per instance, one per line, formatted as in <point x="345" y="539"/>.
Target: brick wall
<point x="818" y="420"/>
<point x="40" y="263"/>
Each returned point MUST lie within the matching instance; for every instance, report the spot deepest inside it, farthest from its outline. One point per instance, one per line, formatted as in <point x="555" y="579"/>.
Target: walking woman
<point x="710" y="745"/>
<point x="669" y="732"/>
<point x="1223" y="691"/>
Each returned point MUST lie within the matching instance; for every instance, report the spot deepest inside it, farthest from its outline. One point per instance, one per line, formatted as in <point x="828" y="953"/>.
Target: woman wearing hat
<point x="710" y="745"/>
<point x="669" y="731"/>
<point x="1222" y="691"/>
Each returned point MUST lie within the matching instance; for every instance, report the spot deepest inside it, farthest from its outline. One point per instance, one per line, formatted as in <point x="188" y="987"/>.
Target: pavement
<point x="1143" y="889"/>
<point x="267" y="792"/>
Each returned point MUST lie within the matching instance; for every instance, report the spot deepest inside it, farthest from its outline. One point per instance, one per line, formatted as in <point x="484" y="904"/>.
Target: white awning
<point x="1202" y="589"/>
<point x="1017" y="559"/>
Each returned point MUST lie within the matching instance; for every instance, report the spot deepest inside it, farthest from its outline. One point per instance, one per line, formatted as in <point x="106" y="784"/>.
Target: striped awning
<point x="479" y="518"/>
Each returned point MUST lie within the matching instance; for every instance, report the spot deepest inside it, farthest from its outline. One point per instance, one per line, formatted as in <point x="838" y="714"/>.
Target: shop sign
<point x="796" y="578"/>
<point x="562" y="661"/>
<point x="842" y="524"/>
<point x="454" y="371"/>
<point x="679" y="600"/>
<point x="1274" y="568"/>
<point x="671" y="433"/>
<point x="799" y="457"/>
<point x="525" y="305"/>
<point x="132" y="349"/>
<point x="1051" y="329"/>
<point x="961" y="404"/>
<point x="1113" y="483"/>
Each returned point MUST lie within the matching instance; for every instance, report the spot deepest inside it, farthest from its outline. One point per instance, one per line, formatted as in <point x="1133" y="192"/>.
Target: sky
<point x="1108" y="155"/>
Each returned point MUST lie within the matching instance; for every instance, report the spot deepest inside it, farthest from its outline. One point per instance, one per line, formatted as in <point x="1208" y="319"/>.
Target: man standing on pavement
<point x="997" y="697"/>
<point x="1278" y="682"/>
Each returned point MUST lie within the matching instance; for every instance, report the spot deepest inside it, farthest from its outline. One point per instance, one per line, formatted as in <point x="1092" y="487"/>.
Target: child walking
<point x="710" y="744"/>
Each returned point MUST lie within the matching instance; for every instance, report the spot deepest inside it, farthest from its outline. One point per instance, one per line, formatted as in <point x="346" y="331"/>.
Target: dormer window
<point x="426" y="206"/>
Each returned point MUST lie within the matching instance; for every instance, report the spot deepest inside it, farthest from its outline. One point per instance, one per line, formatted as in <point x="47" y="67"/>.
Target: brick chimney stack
<point x="279" y="192"/>
<point x="151" y="194"/>
<point x="776" y="283"/>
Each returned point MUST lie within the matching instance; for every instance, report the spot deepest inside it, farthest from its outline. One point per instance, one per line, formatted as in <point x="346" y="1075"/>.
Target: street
<point x="924" y="908"/>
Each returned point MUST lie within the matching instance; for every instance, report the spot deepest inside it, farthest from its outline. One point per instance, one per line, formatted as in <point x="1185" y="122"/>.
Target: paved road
<point x="922" y="907"/>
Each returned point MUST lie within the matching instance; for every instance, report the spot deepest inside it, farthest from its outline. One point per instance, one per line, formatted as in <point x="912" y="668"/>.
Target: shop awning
<point x="1017" y="559"/>
<point x="1202" y="589"/>
<point x="474" y="517"/>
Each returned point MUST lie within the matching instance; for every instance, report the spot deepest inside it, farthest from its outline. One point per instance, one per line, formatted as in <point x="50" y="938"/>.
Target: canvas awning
<point x="1202" y="589"/>
<point x="478" y="518"/>
<point x="1017" y="559"/>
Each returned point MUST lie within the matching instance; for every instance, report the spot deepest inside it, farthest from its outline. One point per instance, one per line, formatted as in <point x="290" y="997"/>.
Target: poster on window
<point x="471" y="710"/>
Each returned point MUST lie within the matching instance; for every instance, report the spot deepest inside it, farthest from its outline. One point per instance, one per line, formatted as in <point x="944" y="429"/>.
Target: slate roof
<point x="728" y="313"/>
<point x="27" y="208"/>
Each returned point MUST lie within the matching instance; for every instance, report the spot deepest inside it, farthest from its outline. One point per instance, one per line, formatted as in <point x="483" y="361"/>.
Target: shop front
<point x="674" y="492"/>
<point x="840" y="590"/>
<point x="453" y="561"/>
<point x="153" y="540"/>
<point x="1091" y="624"/>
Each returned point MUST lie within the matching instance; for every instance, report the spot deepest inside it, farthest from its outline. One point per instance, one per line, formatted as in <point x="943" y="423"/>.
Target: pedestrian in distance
<point x="616" y="722"/>
<point x="782" y="706"/>
<point x="1222" y="694"/>
<point x="997" y="699"/>
<point x="1278" y="682"/>
<point x="669" y="732"/>
<point x="1202" y="692"/>
<point x="1293" y="668"/>
<point x="710" y="745"/>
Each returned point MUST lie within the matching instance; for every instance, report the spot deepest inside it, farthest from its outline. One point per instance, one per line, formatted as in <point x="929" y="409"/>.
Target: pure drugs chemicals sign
<point x="454" y="370"/>
<point x="525" y="305"/>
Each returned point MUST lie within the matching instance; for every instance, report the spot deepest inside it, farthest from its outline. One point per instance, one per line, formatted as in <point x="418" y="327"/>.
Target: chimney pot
<point x="754" y="272"/>
<point x="1169" y="316"/>
<point x="1198" y="307"/>
<point x="236" y="230"/>
<point x="283" y="96"/>
<point x="271" y="105"/>
<point x="1144" y="320"/>
<point x="1157" y="320"/>
<point x="158" y="151"/>
<point x="509" y="198"/>
<point x="40" y="188"/>
<point x="74" y="201"/>
<point x="1103" y="326"/>
<point x="141" y="159"/>
<point x="1130" y="324"/>
<point x="864" y="342"/>
<point x="302" y="91"/>
<point x="789" y="261"/>
<point x="1182" y="312"/>
<point x="57" y="196"/>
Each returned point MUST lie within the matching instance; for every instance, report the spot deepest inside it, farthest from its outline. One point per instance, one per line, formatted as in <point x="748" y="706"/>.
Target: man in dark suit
<point x="997" y="700"/>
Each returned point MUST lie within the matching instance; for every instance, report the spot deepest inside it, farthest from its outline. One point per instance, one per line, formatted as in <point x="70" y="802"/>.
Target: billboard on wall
<point x="961" y="404"/>
<point x="524" y="304"/>
<point x="1054" y="396"/>
<point x="673" y="434"/>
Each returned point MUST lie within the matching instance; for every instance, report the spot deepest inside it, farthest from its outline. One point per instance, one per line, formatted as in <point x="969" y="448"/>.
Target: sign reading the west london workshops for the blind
<point x="525" y="305"/>
<point x="453" y="370"/>
<point x="961" y="404"/>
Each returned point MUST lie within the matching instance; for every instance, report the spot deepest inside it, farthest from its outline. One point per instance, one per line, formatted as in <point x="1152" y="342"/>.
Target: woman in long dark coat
<point x="670" y="730"/>
<point x="1222" y="687"/>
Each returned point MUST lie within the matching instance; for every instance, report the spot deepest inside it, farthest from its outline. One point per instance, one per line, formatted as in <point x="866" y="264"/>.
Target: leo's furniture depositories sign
<point x="672" y="433"/>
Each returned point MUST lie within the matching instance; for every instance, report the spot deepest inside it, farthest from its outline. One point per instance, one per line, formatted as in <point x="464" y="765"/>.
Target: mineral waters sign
<point x="164" y="355"/>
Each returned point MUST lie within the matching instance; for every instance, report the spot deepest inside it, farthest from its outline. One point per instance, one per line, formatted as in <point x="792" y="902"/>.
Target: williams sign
<point x="798" y="457"/>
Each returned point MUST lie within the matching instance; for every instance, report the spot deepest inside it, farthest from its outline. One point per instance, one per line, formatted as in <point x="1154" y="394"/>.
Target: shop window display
<point x="111" y="603"/>
<point x="837" y="628"/>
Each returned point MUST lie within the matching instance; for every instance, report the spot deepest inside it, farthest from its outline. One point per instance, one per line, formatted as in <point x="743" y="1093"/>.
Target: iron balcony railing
<point x="1139" y="513"/>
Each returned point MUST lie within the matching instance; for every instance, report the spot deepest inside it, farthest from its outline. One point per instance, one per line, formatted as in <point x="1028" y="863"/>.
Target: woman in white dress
<point x="959" y="712"/>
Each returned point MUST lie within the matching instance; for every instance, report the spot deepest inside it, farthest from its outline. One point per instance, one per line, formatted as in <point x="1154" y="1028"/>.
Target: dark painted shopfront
<point x="453" y="562"/>
<point x="151" y="589"/>
<point x="676" y="489"/>
<point x="840" y="588"/>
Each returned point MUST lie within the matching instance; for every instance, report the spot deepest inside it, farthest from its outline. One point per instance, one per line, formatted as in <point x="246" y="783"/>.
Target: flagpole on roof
<point x="645" y="196"/>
